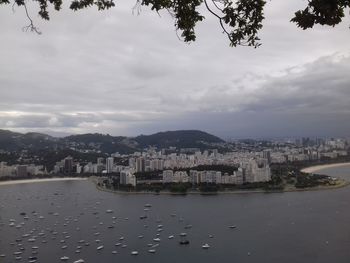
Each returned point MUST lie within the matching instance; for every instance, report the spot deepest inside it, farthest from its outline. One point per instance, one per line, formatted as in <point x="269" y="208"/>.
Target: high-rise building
<point x="132" y="162"/>
<point x="22" y="171"/>
<point x="109" y="164"/>
<point x="267" y="156"/>
<point x="68" y="165"/>
<point x="127" y="178"/>
<point x="140" y="164"/>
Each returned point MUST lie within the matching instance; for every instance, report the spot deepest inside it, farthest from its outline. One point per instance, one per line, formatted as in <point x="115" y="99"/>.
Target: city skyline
<point x="229" y="138"/>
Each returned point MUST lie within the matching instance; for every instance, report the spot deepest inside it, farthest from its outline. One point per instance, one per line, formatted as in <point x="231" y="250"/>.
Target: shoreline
<point x="319" y="167"/>
<point x="341" y="184"/>
<point x="41" y="180"/>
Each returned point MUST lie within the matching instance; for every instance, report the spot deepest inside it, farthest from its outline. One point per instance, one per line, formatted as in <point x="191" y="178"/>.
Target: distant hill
<point x="13" y="141"/>
<point x="179" y="139"/>
<point x="105" y="143"/>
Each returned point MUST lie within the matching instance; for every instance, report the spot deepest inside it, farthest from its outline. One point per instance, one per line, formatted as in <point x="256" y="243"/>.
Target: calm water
<point x="283" y="227"/>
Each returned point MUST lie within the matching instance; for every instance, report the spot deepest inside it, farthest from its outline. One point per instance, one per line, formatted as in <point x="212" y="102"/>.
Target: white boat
<point x="65" y="258"/>
<point x="206" y="246"/>
<point x="109" y="211"/>
<point x="79" y="261"/>
<point x="118" y="244"/>
<point x="100" y="247"/>
<point x="148" y="205"/>
<point x="156" y="239"/>
<point x="232" y="227"/>
<point x="152" y="251"/>
<point x="171" y="237"/>
<point x="134" y="253"/>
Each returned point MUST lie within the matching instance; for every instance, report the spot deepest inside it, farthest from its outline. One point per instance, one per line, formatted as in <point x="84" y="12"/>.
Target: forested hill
<point x="105" y="143"/>
<point x="179" y="139"/>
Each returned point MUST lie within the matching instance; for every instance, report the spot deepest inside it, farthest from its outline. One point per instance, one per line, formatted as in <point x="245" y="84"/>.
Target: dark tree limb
<point x="240" y="20"/>
<point x="31" y="26"/>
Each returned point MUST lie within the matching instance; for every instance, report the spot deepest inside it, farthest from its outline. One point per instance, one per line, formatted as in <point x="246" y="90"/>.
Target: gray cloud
<point x="126" y="74"/>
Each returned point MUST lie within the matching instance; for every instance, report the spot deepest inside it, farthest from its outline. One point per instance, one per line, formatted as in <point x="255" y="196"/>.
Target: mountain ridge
<point x="12" y="141"/>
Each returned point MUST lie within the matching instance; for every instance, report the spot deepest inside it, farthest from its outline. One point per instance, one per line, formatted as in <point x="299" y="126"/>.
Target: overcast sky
<point x="124" y="74"/>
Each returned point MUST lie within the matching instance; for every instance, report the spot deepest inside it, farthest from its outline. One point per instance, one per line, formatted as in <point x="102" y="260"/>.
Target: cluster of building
<point x="252" y="161"/>
<point x="255" y="170"/>
<point x="21" y="171"/>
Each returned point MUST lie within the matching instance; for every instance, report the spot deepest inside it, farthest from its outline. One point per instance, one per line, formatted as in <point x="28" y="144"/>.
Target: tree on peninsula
<point x="240" y="20"/>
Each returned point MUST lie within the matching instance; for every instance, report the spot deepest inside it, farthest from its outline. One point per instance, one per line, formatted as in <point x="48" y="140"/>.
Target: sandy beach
<point x="316" y="168"/>
<point x="28" y="181"/>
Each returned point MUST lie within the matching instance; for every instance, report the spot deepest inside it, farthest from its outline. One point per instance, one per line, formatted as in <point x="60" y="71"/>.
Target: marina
<point x="60" y="228"/>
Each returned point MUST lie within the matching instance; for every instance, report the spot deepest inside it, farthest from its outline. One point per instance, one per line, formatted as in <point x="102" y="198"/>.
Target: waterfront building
<point x="109" y="165"/>
<point x="140" y="164"/>
<point x="22" y="171"/>
<point x="68" y="165"/>
<point x="127" y="178"/>
<point x="168" y="176"/>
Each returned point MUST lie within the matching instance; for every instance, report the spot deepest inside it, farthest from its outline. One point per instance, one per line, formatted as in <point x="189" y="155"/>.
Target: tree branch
<point x="220" y="20"/>
<point x="31" y="26"/>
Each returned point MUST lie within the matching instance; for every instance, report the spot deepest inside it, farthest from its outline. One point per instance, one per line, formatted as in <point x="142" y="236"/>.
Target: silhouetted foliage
<point x="307" y="180"/>
<point x="240" y="20"/>
<point x="208" y="188"/>
<point x="178" y="139"/>
<point x="178" y="187"/>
